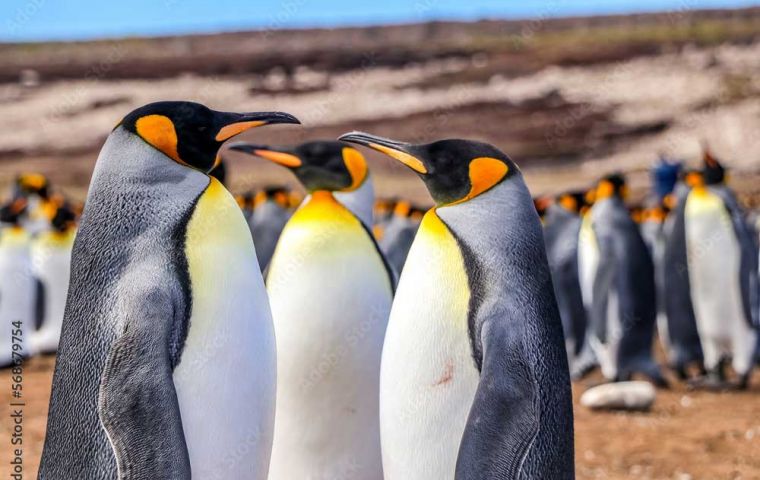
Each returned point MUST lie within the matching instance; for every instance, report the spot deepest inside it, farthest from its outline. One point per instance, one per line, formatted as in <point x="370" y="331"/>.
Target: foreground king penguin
<point x="166" y="361"/>
<point x="331" y="293"/>
<point x="474" y="378"/>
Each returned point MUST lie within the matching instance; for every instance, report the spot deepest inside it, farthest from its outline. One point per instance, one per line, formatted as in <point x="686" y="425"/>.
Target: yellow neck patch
<point x="433" y="225"/>
<point x="357" y="167"/>
<point x="485" y="172"/>
<point x="158" y="130"/>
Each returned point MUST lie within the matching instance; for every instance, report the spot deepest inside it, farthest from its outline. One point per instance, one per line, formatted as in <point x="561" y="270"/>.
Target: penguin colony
<point x="205" y="335"/>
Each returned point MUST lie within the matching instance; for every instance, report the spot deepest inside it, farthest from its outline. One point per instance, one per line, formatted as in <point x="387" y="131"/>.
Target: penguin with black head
<point x="721" y="249"/>
<point x="474" y="381"/>
<point x="166" y="361"/>
<point x="623" y="308"/>
<point x="331" y="291"/>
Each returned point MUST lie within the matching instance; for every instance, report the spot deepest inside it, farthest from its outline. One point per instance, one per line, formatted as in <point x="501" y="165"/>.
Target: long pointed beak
<point x="236" y="123"/>
<point x="401" y="151"/>
<point x="279" y="156"/>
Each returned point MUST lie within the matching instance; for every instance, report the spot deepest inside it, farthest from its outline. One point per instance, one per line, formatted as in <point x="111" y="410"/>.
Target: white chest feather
<point x="226" y="379"/>
<point x="17" y="290"/>
<point x="51" y="263"/>
<point x="714" y="256"/>
<point x="428" y="377"/>
<point x="330" y="297"/>
<point x="588" y="259"/>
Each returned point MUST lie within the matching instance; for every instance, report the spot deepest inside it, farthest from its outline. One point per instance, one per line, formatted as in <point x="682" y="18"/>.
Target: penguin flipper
<point x="503" y="420"/>
<point x="137" y="402"/>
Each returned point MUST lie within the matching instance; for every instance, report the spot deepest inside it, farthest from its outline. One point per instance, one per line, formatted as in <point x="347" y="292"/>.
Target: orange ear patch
<point x="605" y="189"/>
<point x="229" y="131"/>
<point x="569" y="203"/>
<point x="485" y="172"/>
<point x="357" y="167"/>
<point x="159" y="131"/>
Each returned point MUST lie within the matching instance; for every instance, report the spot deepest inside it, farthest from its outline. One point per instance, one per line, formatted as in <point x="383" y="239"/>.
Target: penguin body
<point x="166" y="362"/>
<point x="17" y="296"/>
<point x="623" y="301"/>
<point x="724" y="316"/>
<point x="562" y="227"/>
<point x="331" y="292"/>
<point x="398" y="236"/>
<point x="269" y="218"/>
<point x="51" y="262"/>
<point x="680" y="337"/>
<point x="474" y="380"/>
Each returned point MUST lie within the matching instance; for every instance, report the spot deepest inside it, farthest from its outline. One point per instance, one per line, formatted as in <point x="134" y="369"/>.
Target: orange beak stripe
<point x="284" y="159"/>
<point x="229" y="131"/>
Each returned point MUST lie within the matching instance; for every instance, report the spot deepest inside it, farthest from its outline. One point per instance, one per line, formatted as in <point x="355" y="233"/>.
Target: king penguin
<point x="331" y="294"/>
<point x="623" y="307"/>
<point x="51" y="262"/>
<point x="474" y="380"/>
<point x="681" y="338"/>
<point x="399" y="233"/>
<point x="722" y="251"/>
<point x="166" y="362"/>
<point x="270" y="214"/>
<point x="17" y="286"/>
<point x="562" y="225"/>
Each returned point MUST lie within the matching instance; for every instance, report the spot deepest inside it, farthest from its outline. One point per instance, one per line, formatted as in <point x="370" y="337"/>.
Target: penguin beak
<point x="278" y="156"/>
<point x="231" y="124"/>
<point x="399" y="150"/>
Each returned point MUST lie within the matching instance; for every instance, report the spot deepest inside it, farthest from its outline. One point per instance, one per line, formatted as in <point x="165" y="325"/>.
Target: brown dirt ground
<point x="687" y="435"/>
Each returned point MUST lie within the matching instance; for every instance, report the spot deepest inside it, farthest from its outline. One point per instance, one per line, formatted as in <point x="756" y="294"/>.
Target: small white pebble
<point x="686" y="402"/>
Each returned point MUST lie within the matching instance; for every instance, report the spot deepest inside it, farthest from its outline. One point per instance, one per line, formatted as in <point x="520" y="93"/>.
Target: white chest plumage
<point x="588" y="259"/>
<point x="51" y="263"/>
<point x="330" y="296"/>
<point x="714" y="257"/>
<point x="226" y="378"/>
<point x="428" y="377"/>
<point x="16" y="294"/>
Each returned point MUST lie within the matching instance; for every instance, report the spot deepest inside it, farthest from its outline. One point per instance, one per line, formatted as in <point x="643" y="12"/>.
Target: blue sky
<point x="25" y="20"/>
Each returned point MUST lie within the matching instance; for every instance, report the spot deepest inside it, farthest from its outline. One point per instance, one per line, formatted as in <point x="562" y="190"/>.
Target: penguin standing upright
<point x="166" y="363"/>
<point x="17" y="286"/>
<point x="331" y="293"/>
<point x="623" y="300"/>
<point x="562" y="225"/>
<point x="474" y="380"/>
<point x="721" y="250"/>
<point x="270" y="214"/>
<point x="51" y="262"/>
<point x="680" y="338"/>
<point x="399" y="233"/>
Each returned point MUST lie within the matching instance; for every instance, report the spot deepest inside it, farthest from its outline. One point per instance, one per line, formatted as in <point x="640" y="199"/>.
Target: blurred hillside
<point x="568" y="99"/>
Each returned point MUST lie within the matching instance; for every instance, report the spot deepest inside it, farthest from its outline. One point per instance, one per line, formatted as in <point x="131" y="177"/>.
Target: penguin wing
<point x="39" y="303"/>
<point x="503" y="419"/>
<point x="747" y="238"/>
<point x="392" y="274"/>
<point x="137" y="402"/>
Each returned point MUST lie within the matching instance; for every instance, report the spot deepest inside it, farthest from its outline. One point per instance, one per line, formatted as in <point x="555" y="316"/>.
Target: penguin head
<point x="693" y="178"/>
<point x="712" y="171"/>
<point x="542" y="204"/>
<point x="12" y="211"/>
<point x="273" y="193"/>
<point x="453" y="170"/>
<point x="573" y="202"/>
<point x="190" y="133"/>
<point x="64" y="218"/>
<point x="318" y="165"/>
<point x="32" y="184"/>
<point x="611" y="186"/>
